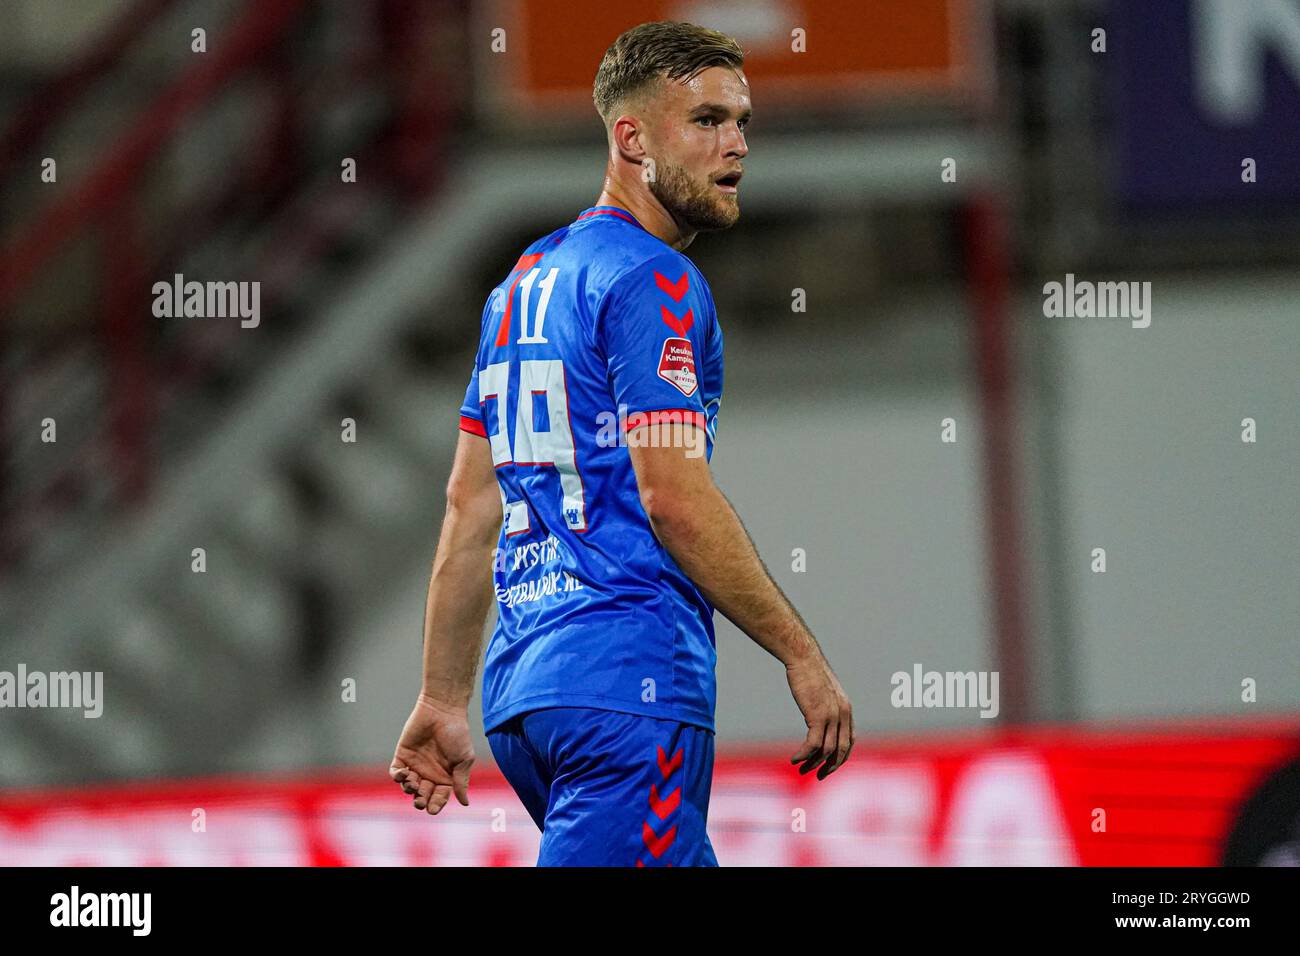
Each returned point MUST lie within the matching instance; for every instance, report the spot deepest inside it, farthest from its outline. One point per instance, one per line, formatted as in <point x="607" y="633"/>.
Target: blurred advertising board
<point x="1167" y="796"/>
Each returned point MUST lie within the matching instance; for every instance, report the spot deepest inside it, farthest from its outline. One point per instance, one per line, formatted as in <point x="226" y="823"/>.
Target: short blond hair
<point x="651" y="52"/>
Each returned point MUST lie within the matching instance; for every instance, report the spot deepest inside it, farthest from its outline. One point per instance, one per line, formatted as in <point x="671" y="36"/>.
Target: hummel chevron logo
<point x="675" y="289"/>
<point x="657" y="844"/>
<point x="667" y="805"/>
<point x="662" y="808"/>
<point x="666" y="766"/>
<point x="680" y="326"/>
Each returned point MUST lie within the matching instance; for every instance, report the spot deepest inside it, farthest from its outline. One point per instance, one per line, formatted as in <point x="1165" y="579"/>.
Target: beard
<point x="700" y="206"/>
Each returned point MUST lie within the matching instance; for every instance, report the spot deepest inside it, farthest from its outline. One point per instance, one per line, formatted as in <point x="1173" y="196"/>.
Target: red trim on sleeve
<point x="671" y="416"/>
<point x="473" y="426"/>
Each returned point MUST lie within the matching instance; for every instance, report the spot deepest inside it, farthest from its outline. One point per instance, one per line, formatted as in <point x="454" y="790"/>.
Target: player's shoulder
<point x="611" y="258"/>
<point x="648" y="267"/>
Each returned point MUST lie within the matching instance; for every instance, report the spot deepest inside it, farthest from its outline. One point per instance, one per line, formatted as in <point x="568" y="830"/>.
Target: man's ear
<point x="629" y="139"/>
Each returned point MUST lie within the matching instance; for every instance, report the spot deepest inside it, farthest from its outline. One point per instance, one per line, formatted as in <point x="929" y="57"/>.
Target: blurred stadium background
<point x="918" y="170"/>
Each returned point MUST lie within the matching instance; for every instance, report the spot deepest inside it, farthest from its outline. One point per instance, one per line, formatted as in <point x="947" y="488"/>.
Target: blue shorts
<point x="608" y="788"/>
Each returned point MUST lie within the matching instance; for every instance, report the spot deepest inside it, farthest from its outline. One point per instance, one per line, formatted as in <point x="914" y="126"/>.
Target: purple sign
<point x="1207" y="101"/>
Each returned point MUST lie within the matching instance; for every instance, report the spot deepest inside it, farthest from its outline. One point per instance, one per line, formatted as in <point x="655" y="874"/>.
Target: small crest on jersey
<point x="677" y="365"/>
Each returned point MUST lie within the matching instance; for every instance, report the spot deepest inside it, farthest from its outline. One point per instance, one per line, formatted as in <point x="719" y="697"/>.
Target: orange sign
<point x="852" y="52"/>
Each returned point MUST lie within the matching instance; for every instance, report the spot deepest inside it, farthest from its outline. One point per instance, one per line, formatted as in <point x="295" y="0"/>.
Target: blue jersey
<point x="599" y="327"/>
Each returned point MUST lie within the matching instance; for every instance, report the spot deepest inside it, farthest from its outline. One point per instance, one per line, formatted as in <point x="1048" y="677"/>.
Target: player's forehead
<point x="723" y="86"/>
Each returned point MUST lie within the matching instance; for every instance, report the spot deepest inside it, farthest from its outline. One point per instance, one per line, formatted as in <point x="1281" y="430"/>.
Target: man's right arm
<point x="698" y="526"/>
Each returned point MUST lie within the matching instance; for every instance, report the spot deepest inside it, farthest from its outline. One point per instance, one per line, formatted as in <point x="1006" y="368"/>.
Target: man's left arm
<point x="434" y="754"/>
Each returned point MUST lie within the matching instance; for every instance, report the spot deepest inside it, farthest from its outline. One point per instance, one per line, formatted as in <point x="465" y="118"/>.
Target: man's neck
<point x="649" y="212"/>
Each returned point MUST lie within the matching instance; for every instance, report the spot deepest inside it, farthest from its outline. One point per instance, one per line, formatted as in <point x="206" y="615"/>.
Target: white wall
<point x="1202" y="532"/>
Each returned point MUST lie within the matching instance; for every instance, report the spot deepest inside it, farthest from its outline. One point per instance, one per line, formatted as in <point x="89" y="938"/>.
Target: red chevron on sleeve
<point x="680" y="326"/>
<point x="675" y="289"/>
